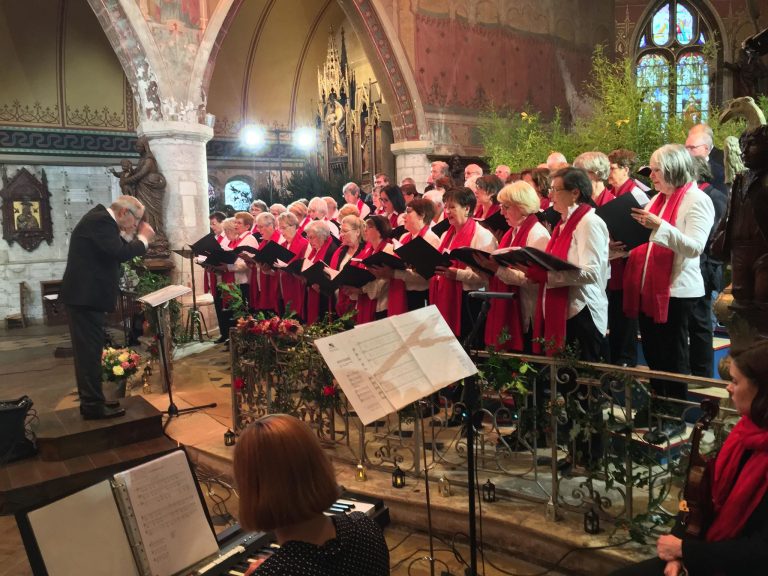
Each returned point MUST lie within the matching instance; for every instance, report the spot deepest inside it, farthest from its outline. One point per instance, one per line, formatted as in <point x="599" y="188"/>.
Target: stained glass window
<point x="684" y="25"/>
<point x="660" y="26"/>
<point x="692" y="87"/>
<point x="653" y="75"/>
<point x="672" y="67"/>
<point x="237" y="193"/>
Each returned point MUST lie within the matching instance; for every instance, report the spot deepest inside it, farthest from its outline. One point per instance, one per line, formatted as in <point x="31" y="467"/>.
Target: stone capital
<point x="172" y="129"/>
<point x="413" y="147"/>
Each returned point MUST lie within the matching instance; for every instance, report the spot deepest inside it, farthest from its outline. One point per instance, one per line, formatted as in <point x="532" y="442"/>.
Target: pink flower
<point x="125" y="365"/>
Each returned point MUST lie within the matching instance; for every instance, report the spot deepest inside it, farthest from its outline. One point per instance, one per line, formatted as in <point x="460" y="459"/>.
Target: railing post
<point x="552" y="505"/>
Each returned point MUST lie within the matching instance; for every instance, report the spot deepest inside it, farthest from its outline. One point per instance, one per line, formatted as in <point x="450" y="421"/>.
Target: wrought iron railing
<point x="571" y="435"/>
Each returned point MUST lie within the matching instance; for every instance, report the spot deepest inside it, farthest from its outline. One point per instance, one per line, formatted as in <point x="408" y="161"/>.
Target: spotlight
<point x="253" y="137"/>
<point x="304" y="138"/>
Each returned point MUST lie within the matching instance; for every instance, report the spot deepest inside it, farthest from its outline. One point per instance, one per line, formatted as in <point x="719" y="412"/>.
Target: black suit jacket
<point x="96" y="250"/>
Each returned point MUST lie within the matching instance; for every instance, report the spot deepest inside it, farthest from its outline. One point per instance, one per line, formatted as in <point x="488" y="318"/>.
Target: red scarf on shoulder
<point x="265" y="294"/>
<point x="313" y="297"/>
<point x="447" y="294"/>
<point x="397" y="299"/>
<point x="343" y="302"/>
<point x="507" y="313"/>
<point x="291" y="287"/>
<point x="652" y="296"/>
<point x="366" y="307"/>
<point x="735" y="493"/>
<point x="552" y="311"/>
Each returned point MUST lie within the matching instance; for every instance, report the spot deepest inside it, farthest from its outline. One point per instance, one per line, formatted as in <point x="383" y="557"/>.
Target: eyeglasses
<point x="553" y="189"/>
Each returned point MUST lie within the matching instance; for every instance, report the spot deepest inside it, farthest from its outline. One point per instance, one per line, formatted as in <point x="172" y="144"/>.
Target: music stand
<point x="195" y="320"/>
<point x="158" y="301"/>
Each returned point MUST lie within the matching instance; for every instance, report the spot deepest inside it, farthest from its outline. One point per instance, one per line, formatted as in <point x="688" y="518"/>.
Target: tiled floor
<point x="201" y="376"/>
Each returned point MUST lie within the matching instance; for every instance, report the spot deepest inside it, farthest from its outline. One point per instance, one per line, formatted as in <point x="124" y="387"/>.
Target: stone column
<point x="411" y="160"/>
<point x="179" y="148"/>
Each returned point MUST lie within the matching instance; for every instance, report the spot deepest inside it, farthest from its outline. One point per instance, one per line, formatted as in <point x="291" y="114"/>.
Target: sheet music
<point x="385" y="365"/>
<point x="169" y="514"/>
<point x="83" y="534"/>
<point x="164" y="295"/>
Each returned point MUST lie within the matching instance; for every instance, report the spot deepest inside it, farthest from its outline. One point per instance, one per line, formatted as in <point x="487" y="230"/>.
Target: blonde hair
<point x="283" y="475"/>
<point x="521" y="194"/>
<point x="348" y="210"/>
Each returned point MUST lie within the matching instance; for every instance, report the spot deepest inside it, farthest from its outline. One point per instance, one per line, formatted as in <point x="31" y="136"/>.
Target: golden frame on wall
<point x="26" y="209"/>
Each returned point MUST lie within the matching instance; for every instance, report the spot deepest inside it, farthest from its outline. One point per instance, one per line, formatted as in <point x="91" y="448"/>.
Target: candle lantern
<point x="398" y="477"/>
<point x="229" y="438"/>
<point x="591" y="522"/>
<point x="145" y="387"/>
<point x="489" y="491"/>
<point x="445" y="486"/>
<point x="360" y="474"/>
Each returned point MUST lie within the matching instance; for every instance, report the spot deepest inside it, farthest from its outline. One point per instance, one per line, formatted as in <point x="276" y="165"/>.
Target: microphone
<point x="483" y="295"/>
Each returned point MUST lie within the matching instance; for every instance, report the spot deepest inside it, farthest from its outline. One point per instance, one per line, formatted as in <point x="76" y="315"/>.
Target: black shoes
<point x="101" y="412"/>
<point x="220" y="340"/>
<point x="112" y="403"/>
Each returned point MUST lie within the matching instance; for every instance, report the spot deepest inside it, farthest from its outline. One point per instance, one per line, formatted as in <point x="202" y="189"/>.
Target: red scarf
<point x="736" y="494"/>
<point x="343" y="302"/>
<point x="652" y="296"/>
<point x="300" y="229"/>
<point x="228" y="277"/>
<point x="552" y="311"/>
<point x="507" y="313"/>
<point x="209" y="278"/>
<point x="544" y="203"/>
<point x="397" y="298"/>
<point x="266" y="293"/>
<point x="366" y="307"/>
<point x="292" y="289"/>
<point x="624" y="188"/>
<point x="605" y="197"/>
<point x="447" y="294"/>
<point x="478" y="211"/>
<point x="393" y="219"/>
<point x="313" y="297"/>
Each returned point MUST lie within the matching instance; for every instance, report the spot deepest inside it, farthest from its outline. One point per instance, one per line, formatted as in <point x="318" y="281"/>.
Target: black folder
<point x="272" y="252"/>
<point x="397" y="232"/>
<point x="441" y="227"/>
<point x="214" y="254"/>
<point x="316" y="274"/>
<point x="294" y="267"/>
<point x="354" y="276"/>
<point x="422" y="256"/>
<point x="549" y="217"/>
<point x="617" y="215"/>
<point x="529" y="255"/>
<point x="467" y="256"/>
<point x="385" y="259"/>
<point x="205" y="245"/>
<point x="495" y="222"/>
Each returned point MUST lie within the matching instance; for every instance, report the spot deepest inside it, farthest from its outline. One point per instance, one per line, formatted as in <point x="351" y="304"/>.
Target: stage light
<point x="253" y="136"/>
<point x="304" y="138"/>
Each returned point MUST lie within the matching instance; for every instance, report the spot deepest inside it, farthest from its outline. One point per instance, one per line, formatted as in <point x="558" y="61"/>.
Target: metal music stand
<point x="158" y="300"/>
<point x="195" y="320"/>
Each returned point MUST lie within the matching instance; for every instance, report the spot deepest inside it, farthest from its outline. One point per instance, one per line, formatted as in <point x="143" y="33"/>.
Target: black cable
<point x="412" y="554"/>
<point x="401" y="541"/>
<point x="427" y="559"/>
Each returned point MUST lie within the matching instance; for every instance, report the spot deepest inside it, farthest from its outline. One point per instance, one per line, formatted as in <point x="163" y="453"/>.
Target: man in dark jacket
<point x="102" y="239"/>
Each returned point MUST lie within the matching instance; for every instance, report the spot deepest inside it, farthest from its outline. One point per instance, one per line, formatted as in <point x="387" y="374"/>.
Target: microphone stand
<point x="470" y="401"/>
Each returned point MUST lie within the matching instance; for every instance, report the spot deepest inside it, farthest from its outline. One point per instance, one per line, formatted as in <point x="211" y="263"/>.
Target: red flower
<point x="238" y="383"/>
<point x="329" y="390"/>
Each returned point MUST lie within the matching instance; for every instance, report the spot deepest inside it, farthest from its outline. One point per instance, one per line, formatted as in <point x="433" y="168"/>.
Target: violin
<point x="696" y="505"/>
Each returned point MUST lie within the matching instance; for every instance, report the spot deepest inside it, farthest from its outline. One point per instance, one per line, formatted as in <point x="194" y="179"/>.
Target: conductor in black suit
<point x="102" y="239"/>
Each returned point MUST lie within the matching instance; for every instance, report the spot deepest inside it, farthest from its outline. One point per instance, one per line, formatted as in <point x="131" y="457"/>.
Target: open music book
<point x="146" y="521"/>
<point x="385" y="365"/>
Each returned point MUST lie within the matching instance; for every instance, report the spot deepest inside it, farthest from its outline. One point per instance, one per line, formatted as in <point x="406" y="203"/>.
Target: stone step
<point x="63" y="434"/>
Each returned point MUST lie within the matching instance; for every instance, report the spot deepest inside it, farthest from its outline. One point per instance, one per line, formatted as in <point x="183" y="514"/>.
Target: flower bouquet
<point x="119" y="363"/>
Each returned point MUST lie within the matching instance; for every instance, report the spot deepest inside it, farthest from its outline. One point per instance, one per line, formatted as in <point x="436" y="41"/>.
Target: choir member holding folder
<point x="519" y="204"/>
<point x="663" y="278"/>
<point x="321" y="248"/>
<point x="572" y="307"/>
<point x="352" y="245"/>
<point x="450" y="286"/>
<point x="418" y="216"/>
<point x="266" y="295"/>
<point x="291" y="287"/>
<point x="373" y="299"/>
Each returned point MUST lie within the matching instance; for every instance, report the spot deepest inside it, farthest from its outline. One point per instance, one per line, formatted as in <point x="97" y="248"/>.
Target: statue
<point x="742" y="236"/>
<point x="336" y="120"/>
<point x="147" y="185"/>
